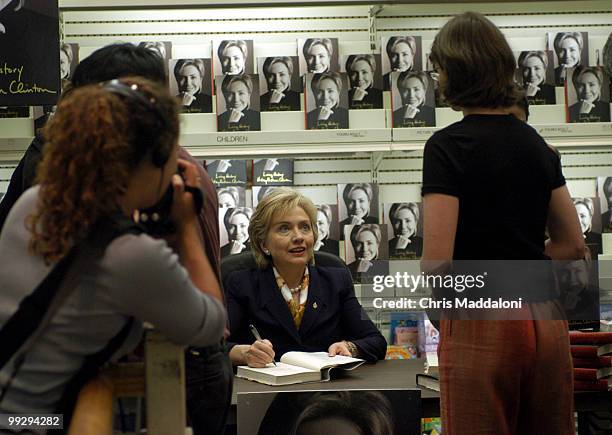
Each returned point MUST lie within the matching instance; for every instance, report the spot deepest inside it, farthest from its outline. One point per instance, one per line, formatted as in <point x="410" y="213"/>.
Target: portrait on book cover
<point x="365" y="80"/>
<point x="535" y="73"/>
<point x="405" y="222"/>
<point x="273" y="172"/>
<point x="401" y="54"/>
<point x="260" y="192"/>
<point x="589" y="216"/>
<point x="607" y="56"/>
<point x="233" y="57"/>
<point x="238" y="103"/>
<point x="231" y="196"/>
<point x="571" y="49"/>
<point x="69" y="59"/>
<point x="579" y="290"/>
<point x="326" y="101"/>
<point x="366" y="251"/>
<point x="227" y="172"/>
<point x="374" y="412"/>
<point x="357" y="204"/>
<point x="191" y="82"/>
<point x="328" y="238"/>
<point x="318" y="55"/>
<point x="234" y="230"/>
<point x="588" y="94"/>
<point x="29" y="42"/>
<point x="412" y="99"/>
<point x="279" y="83"/>
<point x="604" y="192"/>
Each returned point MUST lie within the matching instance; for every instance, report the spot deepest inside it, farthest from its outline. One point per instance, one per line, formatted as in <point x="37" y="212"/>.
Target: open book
<point x="298" y="367"/>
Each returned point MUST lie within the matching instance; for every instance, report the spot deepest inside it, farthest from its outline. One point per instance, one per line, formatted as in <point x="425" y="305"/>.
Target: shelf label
<point x="233" y="139"/>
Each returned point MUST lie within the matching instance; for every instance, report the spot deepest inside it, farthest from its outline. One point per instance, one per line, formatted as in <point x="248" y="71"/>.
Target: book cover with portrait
<point x="318" y="55"/>
<point x="15" y="112"/>
<point x="233" y="57"/>
<point x="412" y="99"/>
<point x="260" y="192"/>
<point x="357" y="204"/>
<point x="29" y="42"/>
<point x="587" y="91"/>
<point x="234" y="230"/>
<point x="405" y="223"/>
<point x="326" y="101"/>
<point x="273" y="172"/>
<point x="69" y="59"/>
<point x="279" y="83"/>
<point x="365" y="80"/>
<point x="589" y="216"/>
<point x="604" y="193"/>
<point x="238" y="103"/>
<point x="366" y="251"/>
<point x="535" y="72"/>
<point x="328" y="239"/>
<point x="570" y="49"/>
<point x="227" y="172"/>
<point x="401" y="54"/>
<point x="231" y="196"/>
<point x="191" y="82"/>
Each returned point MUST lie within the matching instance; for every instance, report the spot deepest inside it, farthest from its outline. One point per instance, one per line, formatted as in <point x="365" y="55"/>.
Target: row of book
<point x="592" y="360"/>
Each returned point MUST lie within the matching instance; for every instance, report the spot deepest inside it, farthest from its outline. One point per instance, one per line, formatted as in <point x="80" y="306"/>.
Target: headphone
<point x="145" y="138"/>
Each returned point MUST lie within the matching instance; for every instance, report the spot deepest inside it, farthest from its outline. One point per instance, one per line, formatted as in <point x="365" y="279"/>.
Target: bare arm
<point x="440" y="216"/>
<point x="566" y="240"/>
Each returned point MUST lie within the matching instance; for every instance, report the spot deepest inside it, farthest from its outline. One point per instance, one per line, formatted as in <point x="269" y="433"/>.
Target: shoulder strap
<point x="37" y="309"/>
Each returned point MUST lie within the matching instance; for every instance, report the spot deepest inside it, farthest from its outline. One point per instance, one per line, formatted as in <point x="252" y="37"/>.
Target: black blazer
<point x="412" y="251"/>
<point x="339" y="119"/>
<point x="291" y="101"/>
<point x="374" y="99"/>
<point x="425" y="118"/>
<point x="201" y="104"/>
<point x="332" y="313"/>
<point x="251" y="121"/>
<point x="366" y="220"/>
<point x="546" y="95"/>
<point x="331" y="246"/>
<point x="226" y="249"/>
<point x="599" y="113"/>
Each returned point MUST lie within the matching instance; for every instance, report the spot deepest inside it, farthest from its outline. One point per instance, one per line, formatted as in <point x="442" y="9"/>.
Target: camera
<point x="157" y="219"/>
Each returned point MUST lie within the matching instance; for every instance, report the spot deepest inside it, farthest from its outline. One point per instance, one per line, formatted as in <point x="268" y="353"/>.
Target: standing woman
<point x="495" y="376"/>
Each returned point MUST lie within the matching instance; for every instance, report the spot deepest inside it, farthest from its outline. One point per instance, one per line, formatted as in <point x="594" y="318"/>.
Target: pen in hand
<point x="255" y="333"/>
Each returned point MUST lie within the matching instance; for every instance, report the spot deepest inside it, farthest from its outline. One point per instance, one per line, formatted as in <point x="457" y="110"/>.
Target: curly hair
<point x="93" y="143"/>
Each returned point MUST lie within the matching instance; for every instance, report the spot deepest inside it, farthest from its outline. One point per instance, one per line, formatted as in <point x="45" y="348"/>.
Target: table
<point x="402" y="374"/>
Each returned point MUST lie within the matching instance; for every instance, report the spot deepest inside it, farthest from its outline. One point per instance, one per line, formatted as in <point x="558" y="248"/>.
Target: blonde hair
<point x="278" y="203"/>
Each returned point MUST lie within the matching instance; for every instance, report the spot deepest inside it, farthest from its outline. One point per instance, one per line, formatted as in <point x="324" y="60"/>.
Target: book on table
<point x="299" y="367"/>
<point x="428" y="381"/>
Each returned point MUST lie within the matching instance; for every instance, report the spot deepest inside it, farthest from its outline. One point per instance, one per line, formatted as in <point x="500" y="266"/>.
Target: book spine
<point x="597" y="338"/>
<point x="584" y="351"/>
<point x="593" y="363"/>
<point x="585" y="374"/>
<point x="600" y="385"/>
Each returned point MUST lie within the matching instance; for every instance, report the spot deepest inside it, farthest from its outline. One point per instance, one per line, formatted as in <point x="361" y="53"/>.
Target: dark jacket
<point x="374" y="99"/>
<point x="412" y="251"/>
<point x="331" y="246"/>
<point x="379" y="267"/>
<point x="332" y="314"/>
<point x="339" y="119"/>
<point x="546" y="95"/>
<point x="291" y="101"/>
<point x="227" y="248"/>
<point x="425" y="118"/>
<point x="599" y="113"/>
<point x="249" y="122"/>
<point x="201" y="104"/>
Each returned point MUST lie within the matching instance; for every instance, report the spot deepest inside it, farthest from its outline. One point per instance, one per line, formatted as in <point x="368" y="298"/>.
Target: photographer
<point x="208" y="370"/>
<point x="111" y="150"/>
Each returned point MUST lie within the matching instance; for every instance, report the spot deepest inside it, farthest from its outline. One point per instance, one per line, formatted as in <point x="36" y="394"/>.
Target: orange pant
<point x="509" y="377"/>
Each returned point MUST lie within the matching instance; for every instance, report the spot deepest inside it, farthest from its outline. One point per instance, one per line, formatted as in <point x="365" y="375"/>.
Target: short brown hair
<point x="478" y="62"/>
<point x="278" y="202"/>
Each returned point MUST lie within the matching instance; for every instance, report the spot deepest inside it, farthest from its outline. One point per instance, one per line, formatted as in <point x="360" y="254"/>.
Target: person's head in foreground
<point x="122" y="132"/>
<point x="475" y="63"/>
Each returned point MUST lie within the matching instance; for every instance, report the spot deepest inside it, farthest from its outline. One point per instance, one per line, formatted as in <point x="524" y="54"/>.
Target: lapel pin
<point x="314" y="305"/>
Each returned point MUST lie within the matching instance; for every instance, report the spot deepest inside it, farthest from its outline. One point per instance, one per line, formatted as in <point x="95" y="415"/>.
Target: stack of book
<point x="430" y="378"/>
<point x="592" y="358"/>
